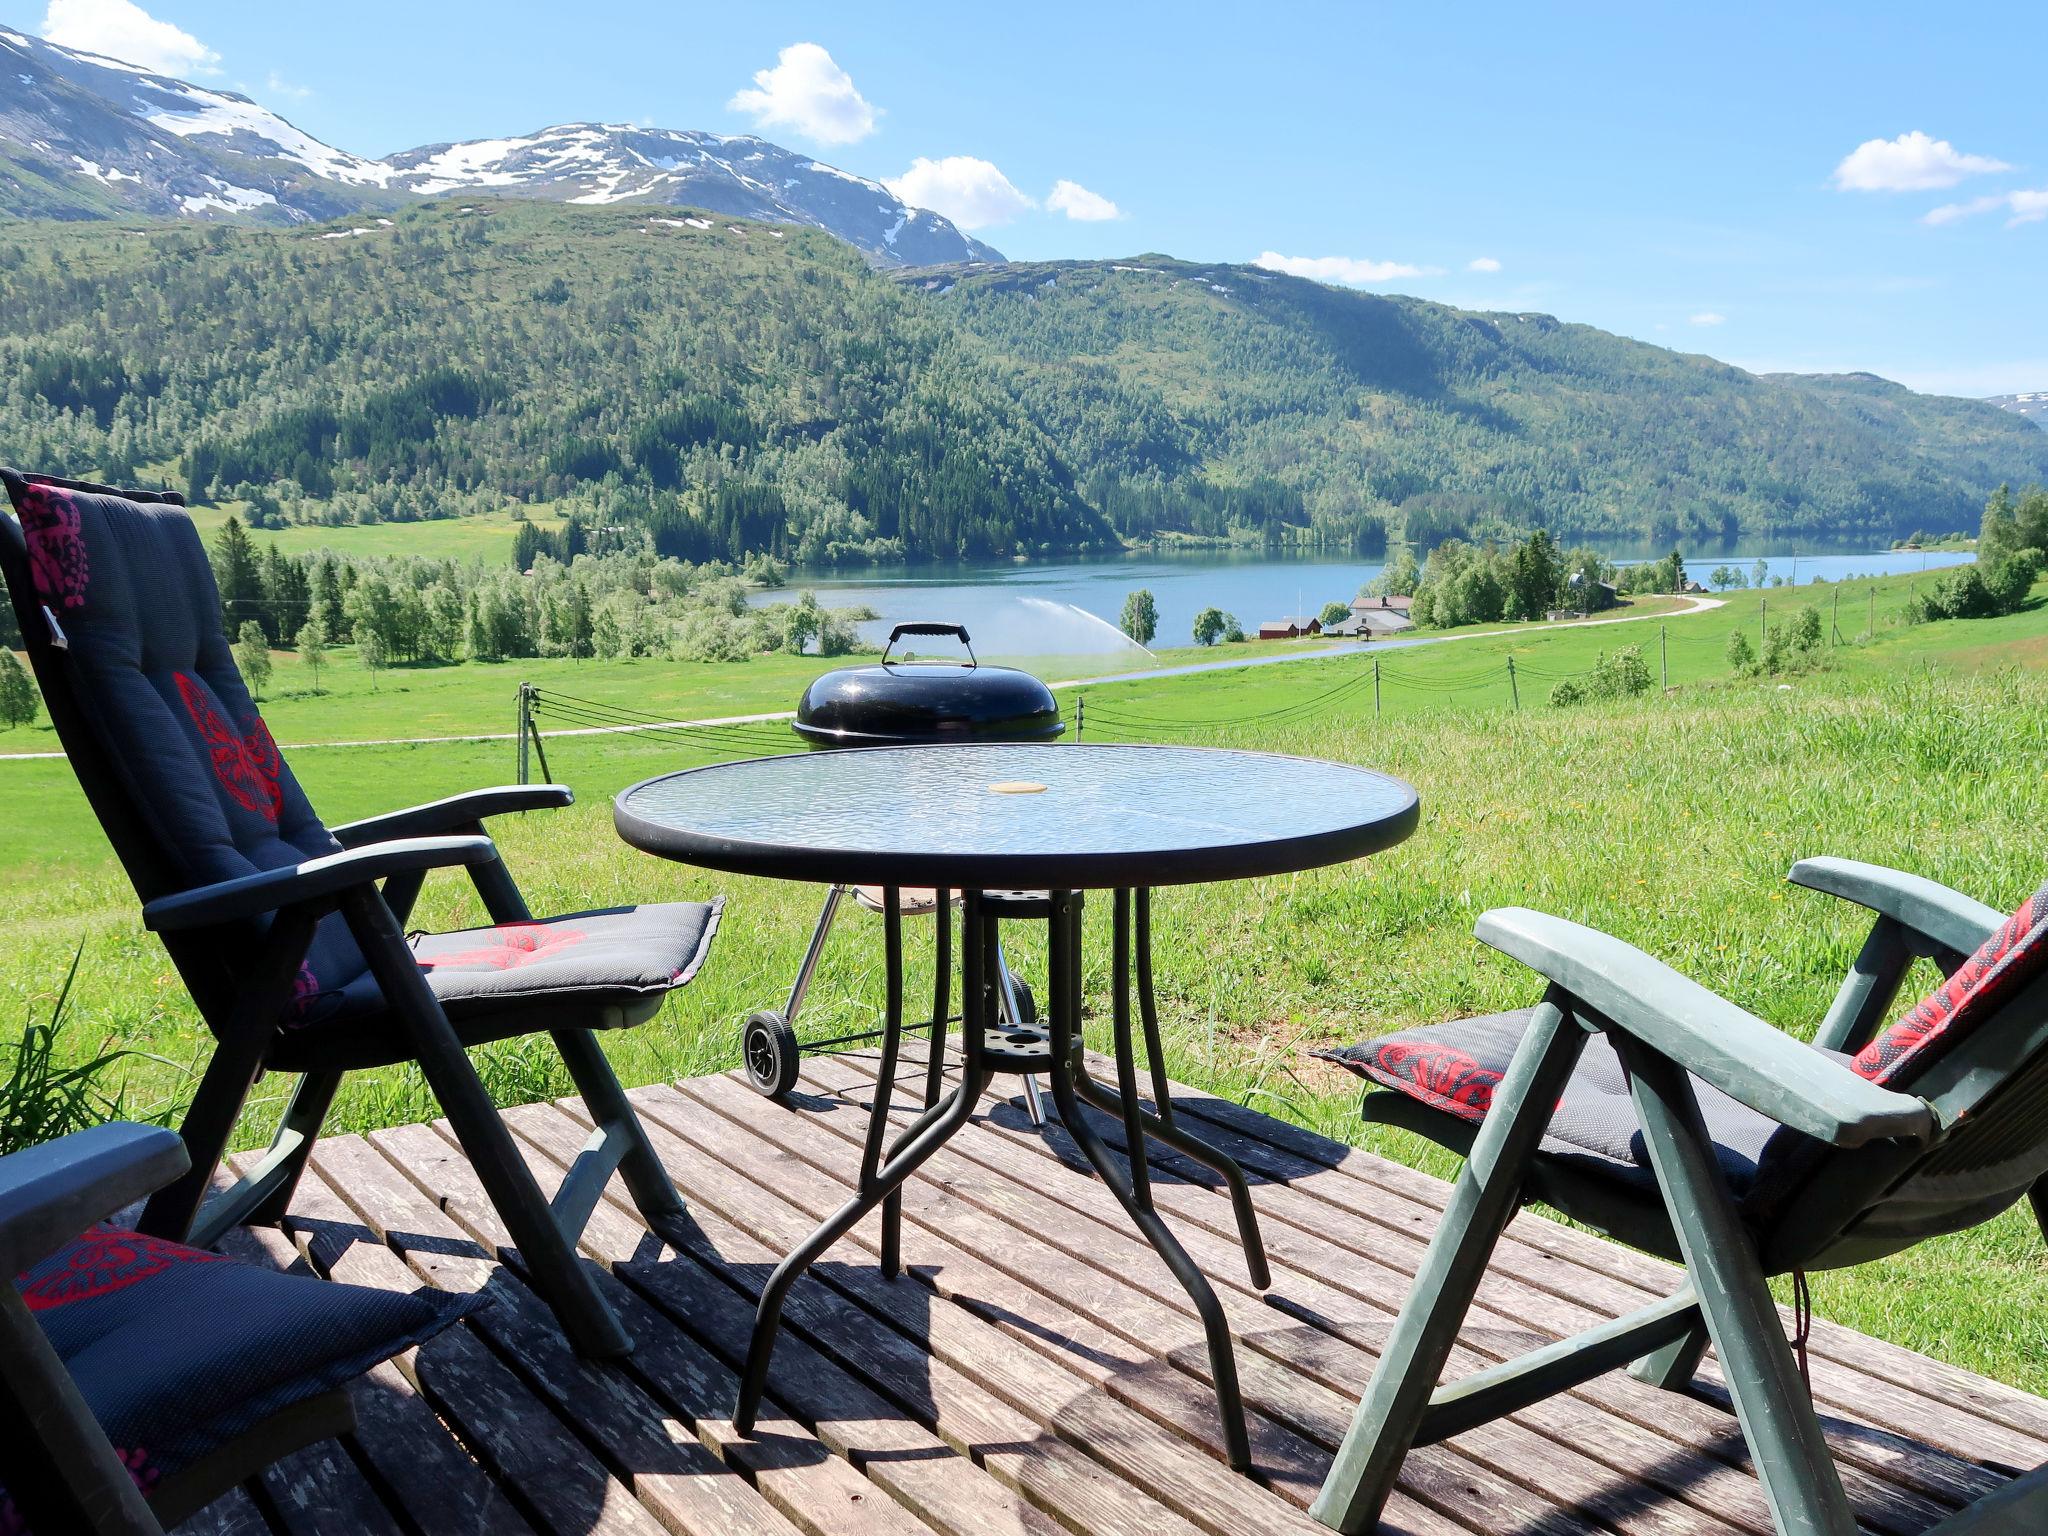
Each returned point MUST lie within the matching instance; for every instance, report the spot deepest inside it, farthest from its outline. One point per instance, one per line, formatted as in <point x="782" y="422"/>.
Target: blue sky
<point x="1783" y="187"/>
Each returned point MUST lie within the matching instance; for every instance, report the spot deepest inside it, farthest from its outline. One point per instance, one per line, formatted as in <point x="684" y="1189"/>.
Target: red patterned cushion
<point x="1454" y="1068"/>
<point x="2007" y="961"/>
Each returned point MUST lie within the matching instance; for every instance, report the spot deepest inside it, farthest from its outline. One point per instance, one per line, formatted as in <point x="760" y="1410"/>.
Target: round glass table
<point x="990" y="821"/>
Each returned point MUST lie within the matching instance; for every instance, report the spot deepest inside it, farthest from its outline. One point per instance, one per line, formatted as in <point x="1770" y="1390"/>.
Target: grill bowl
<point x="908" y="704"/>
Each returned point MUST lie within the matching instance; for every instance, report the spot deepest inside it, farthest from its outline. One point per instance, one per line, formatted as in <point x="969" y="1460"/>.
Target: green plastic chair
<point x="1639" y="1103"/>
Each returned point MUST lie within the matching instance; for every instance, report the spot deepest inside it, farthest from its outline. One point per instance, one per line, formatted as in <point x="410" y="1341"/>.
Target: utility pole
<point x="524" y="724"/>
<point x="1763" y="615"/>
<point x="1664" y="654"/>
<point x="1375" y="687"/>
<point x="1873" y="612"/>
<point x="1514" y="689"/>
<point x="1836" y="622"/>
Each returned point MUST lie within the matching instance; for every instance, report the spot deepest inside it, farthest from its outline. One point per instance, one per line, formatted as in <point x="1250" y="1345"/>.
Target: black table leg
<point x="880" y="1177"/>
<point x="1133" y="1193"/>
<point x="1161" y="1126"/>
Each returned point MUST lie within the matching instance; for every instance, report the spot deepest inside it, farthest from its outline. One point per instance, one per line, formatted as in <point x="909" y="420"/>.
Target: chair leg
<point x="1481" y="1203"/>
<point x="640" y="1165"/>
<point x="549" y="1256"/>
<point x="263" y="1196"/>
<point x="173" y="1211"/>
<point x="1675" y="1365"/>
<point x="1800" y="1482"/>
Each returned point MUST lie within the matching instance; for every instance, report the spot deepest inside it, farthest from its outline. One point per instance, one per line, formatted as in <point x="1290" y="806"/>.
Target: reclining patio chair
<point x="1642" y="1104"/>
<point x="141" y="1379"/>
<point x="296" y="956"/>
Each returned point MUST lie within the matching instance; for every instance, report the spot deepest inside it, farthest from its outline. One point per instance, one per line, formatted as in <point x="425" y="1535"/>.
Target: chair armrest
<point x="51" y="1193"/>
<point x="267" y="890"/>
<point x="1927" y="907"/>
<point x="1709" y="1036"/>
<point x="453" y="813"/>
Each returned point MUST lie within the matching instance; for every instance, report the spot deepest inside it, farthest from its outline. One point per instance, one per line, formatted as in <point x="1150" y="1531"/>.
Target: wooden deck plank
<point x="1557" y="1463"/>
<point x="1312" y="1294"/>
<point x="788" y="1465"/>
<point x="1036" y="1371"/>
<point x="859" y="1435"/>
<point x="954" y="1402"/>
<point x="1863" y="1405"/>
<point x="1904" y="1383"/>
<point x="669" y="1472"/>
<point x="558" y="1484"/>
<point x="1455" y="1486"/>
<point x="422" y="1467"/>
<point x="234" y="1513"/>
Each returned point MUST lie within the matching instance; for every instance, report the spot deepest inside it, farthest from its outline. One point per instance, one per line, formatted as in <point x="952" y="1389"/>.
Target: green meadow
<point x="1667" y="819"/>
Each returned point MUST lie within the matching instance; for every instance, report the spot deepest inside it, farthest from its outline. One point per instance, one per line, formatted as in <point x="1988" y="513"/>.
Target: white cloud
<point x="970" y="192"/>
<point x="1354" y="271"/>
<point x="1482" y="264"/>
<point x="1912" y="162"/>
<point x="2026" y="207"/>
<point x="276" y="85"/>
<point x="125" y="31"/>
<point x="1706" y="317"/>
<point x="1077" y="202"/>
<point x="808" y="91"/>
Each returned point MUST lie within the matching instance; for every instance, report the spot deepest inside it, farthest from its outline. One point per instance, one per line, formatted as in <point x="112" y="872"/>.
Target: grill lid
<point x="913" y="703"/>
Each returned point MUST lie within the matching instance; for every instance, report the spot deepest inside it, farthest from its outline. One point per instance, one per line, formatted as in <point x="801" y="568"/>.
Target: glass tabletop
<point x="1035" y="815"/>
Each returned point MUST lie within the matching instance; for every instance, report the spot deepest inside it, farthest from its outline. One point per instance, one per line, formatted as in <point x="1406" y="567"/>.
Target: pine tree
<point x="235" y="573"/>
<point x="17" y="693"/>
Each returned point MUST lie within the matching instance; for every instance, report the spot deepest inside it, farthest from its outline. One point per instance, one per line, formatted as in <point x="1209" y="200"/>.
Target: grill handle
<point x="958" y="631"/>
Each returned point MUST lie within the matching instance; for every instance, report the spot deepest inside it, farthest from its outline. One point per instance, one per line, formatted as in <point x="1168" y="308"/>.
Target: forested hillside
<point x="728" y="389"/>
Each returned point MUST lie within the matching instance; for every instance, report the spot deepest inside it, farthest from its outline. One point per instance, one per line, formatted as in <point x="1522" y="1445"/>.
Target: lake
<point x="1071" y="607"/>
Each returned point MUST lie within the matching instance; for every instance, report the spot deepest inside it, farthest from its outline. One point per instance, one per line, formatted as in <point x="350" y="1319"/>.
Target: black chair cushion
<point x="126" y="583"/>
<point x="1456" y="1067"/>
<point x="600" y="969"/>
<point x="177" y="1351"/>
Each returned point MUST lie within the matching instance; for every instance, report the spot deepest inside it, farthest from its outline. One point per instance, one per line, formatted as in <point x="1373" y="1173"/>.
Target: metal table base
<point x="989" y="1045"/>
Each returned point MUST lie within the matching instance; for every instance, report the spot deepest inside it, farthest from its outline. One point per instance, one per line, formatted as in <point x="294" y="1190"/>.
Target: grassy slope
<point x="1669" y="821"/>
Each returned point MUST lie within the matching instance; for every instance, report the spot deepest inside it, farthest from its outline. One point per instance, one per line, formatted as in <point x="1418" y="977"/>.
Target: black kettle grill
<point x="920" y="703"/>
<point x="907" y="703"/>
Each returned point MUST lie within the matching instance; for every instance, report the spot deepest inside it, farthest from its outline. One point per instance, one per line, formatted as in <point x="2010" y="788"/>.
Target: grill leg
<point x="809" y="968"/>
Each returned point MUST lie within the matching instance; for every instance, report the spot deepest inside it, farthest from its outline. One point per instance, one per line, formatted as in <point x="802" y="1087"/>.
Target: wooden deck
<point x="1035" y="1370"/>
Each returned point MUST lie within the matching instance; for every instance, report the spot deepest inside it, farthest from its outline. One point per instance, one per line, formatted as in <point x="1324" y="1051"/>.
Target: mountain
<point x="721" y="387"/>
<point x="86" y="137"/>
<point x="83" y="136"/>
<point x="741" y="177"/>
<point x="2032" y="405"/>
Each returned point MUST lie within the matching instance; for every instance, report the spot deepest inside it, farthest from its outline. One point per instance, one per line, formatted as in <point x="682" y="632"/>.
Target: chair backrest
<point x="122" y="622"/>
<point x="1977" y="1048"/>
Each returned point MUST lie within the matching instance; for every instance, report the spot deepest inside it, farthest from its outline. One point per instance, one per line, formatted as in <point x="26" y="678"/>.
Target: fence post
<point x="525" y="726"/>
<point x="1514" y="689"/>
<point x="1836" y="622"/>
<point x="1763" y="617"/>
<point x="1080" y="715"/>
<point x="1664" y="654"/>
<point x="1375" y="687"/>
<point x="1873" y="612"/>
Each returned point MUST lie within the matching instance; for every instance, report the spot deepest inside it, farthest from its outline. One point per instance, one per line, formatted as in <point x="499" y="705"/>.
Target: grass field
<point x="1668" y="820"/>
<point x="482" y="536"/>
